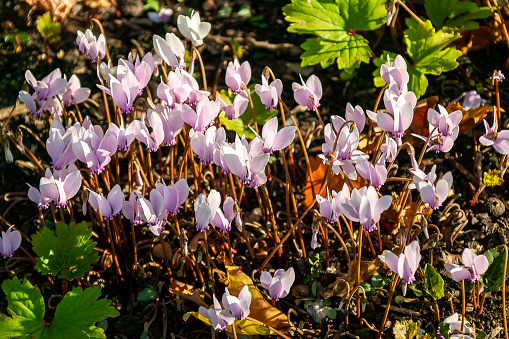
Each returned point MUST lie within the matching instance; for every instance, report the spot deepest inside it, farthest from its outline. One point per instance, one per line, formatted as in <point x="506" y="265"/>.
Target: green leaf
<point x="68" y="253"/>
<point x="242" y="123"/>
<point x="417" y="292"/>
<point x="74" y="316"/>
<point x="434" y="282"/>
<point x="331" y="313"/>
<point x="455" y="14"/>
<point x="444" y="330"/>
<point x="405" y="329"/>
<point x="439" y="10"/>
<point x="151" y="5"/>
<point x="148" y="294"/>
<point x="49" y="29"/>
<point x="493" y="278"/>
<point x="481" y="335"/>
<point x="335" y="23"/>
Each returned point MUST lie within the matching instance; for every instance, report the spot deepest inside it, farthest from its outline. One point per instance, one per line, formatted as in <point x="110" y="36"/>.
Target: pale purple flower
<point x="151" y="139"/>
<point x="431" y="193"/>
<point x="59" y="186"/>
<point x="471" y="99"/>
<point x="269" y="94"/>
<point x="237" y="75"/>
<point x="205" y="209"/>
<point x="160" y="212"/>
<point x="38" y="195"/>
<point x="235" y="110"/>
<point x="249" y="167"/>
<point x="389" y="149"/>
<point x="205" y="144"/>
<point x="223" y="218"/>
<point x="9" y="242"/>
<point x="238" y="306"/>
<point x="279" y="286"/>
<point x="475" y="265"/>
<point x="74" y="92"/>
<point x="163" y="16"/>
<point x="174" y="195"/>
<point x="219" y="318"/>
<point x="170" y="120"/>
<point x="356" y="114"/>
<point x="45" y="92"/>
<point x="314" y="238"/>
<point x="329" y="207"/>
<point x="110" y="206"/>
<point x="390" y="7"/>
<point x="455" y="326"/>
<point x="59" y="144"/>
<point x="365" y="206"/>
<point x="499" y="140"/>
<point x="123" y="91"/>
<point x="395" y="72"/>
<point x="446" y="123"/>
<point x="206" y="112"/>
<point x="125" y="136"/>
<point x="90" y="45"/>
<point x="274" y="140"/>
<point x="138" y="209"/>
<point x="400" y="112"/>
<point x="309" y="93"/>
<point x="499" y="76"/>
<point x="142" y="70"/>
<point x="406" y="264"/>
<point x="192" y="28"/>
<point x="376" y="174"/>
<point x="171" y="50"/>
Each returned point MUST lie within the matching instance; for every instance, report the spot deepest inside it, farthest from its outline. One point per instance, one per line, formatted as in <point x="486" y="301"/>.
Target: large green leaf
<point x="242" y="123"/>
<point x="68" y="253"/>
<point x="493" y="278"/>
<point x="336" y="24"/>
<point x="74" y="315"/>
<point x="434" y="282"/>
<point x="455" y="14"/>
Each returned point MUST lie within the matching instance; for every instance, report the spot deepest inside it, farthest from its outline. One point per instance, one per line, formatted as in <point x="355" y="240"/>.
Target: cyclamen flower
<point x="73" y="92"/>
<point x="174" y="195"/>
<point x="206" y="112"/>
<point x="170" y="120"/>
<point x="205" y="144"/>
<point x="269" y="94"/>
<point x="356" y="114"/>
<point x="142" y="70"/>
<point x="238" y="306"/>
<point x="274" y="140"/>
<point x="110" y="206"/>
<point x="125" y="136"/>
<point x="499" y="140"/>
<point x="329" y="207"/>
<point x="431" y="193"/>
<point x="223" y="218"/>
<point x="138" y="209"/>
<point x="406" y="264"/>
<point x="309" y="93"/>
<point x="365" y="207"/>
<point x="475" y="266"/>
<point x="237" y="75"/>
<point x="455" y="326"/>
<point x="9" y="242"/>
<point x="90" y="45"/>
<point x="163" y="16"/>
<point x="171" y="50"/>
<point x="499" y="76"/>
<point x="59" y="143"/>
<point x="9" y="158"/>
<point x="123" y="90"/>
<point x="395" y="72"/>
<point x="389" y="149"/>
<point x="160" y="212"/>
<point x="205" y="209"/>
<point x="376" y="174"/>
<point x="192" y="28"/>
<point x="45" y="92"/>
<point x="279" y="286"/>
<point x="60" y="187"/>
<point x="151" y="139"/>
<point x="219" y="318"/>
<point x="471" y="99"/>
<point x="235" y="110"/>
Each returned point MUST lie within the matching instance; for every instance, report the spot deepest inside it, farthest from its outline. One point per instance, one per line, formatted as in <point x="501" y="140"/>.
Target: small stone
<point x="495" y="207"/>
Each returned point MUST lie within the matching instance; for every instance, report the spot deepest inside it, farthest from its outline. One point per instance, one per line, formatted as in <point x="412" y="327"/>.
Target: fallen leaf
<point x="245" y="327"/>
<point x="260" y="309"/>
<point x="420" y="122"/>
<point x="187" y="291"/>
<point x="158" y="251"/>
<point x="389" y="216"/>
<point x="472" y="117"/>
<point x="480" y="38"/>
<point x="368" y="269"/>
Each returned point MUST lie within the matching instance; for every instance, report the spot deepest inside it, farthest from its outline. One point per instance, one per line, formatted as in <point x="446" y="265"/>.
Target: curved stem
<point x="391" y="293"/>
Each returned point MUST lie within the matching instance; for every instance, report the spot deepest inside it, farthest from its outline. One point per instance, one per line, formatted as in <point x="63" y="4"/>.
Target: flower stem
<point x="504" y="310"/>
<point x="395" y="281"/>
<point x="462" y="304"/>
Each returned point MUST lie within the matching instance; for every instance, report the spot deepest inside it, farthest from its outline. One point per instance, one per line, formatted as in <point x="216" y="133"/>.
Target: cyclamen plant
<point x="211" y="171"/>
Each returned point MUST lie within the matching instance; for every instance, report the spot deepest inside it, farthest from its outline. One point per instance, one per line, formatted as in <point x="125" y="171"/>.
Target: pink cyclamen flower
<point x="110" y="206"/>
<point x="356" y="114"/>
<point x="237" y="75"/>
<point x="274" y="140"/>
<point x="389" y="149"/>
<point x="60" y="187"/>
<point x="279" y="286"/>
<point x="151" y="139"/>
<point x="9" y="242"/>
<point x="499" y="76"/>
<point x="309" y="93"/>
<point x="365" y="207"/>
<point x="156" y="223"/>
<point x="174" y="195"/>
<point x="457" y="325"/>
<point x="269" y="94"/>
<point x="205" y="209"/>
<point x="475" y="266"/>
<point x="376" y="174"/>
<point x="170" y="49"/>
<point x="445" y="122"/>
<point x="74" y="92"/>
<point x="471" y="99"/>
<point x="138" y="209"/>
<point x="206" y="112"/>
<point x="170" y="119"/>
<point x="205" y="144"/>
<point x="219" y="318"/>
<point x="235" y="110"/>
<point x="238" y="306"/>
<point x="125" y="136"/>
<point x="431" y="193"/>
<point x="406" y="264"/>
<point x="123" y="90"/>
<point x="223" y="219"/>
<point x="59" y="144"/>
<point x="44" y="94"/>
<point x="499" y="140"/>
<point x="329" y="207"/>
<point x="90" y="45"/>
<point x="142" y="70"/>
<point x="163" y="16"/>
<point x="9" y="158"/>
<point x="395" y="72"/>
